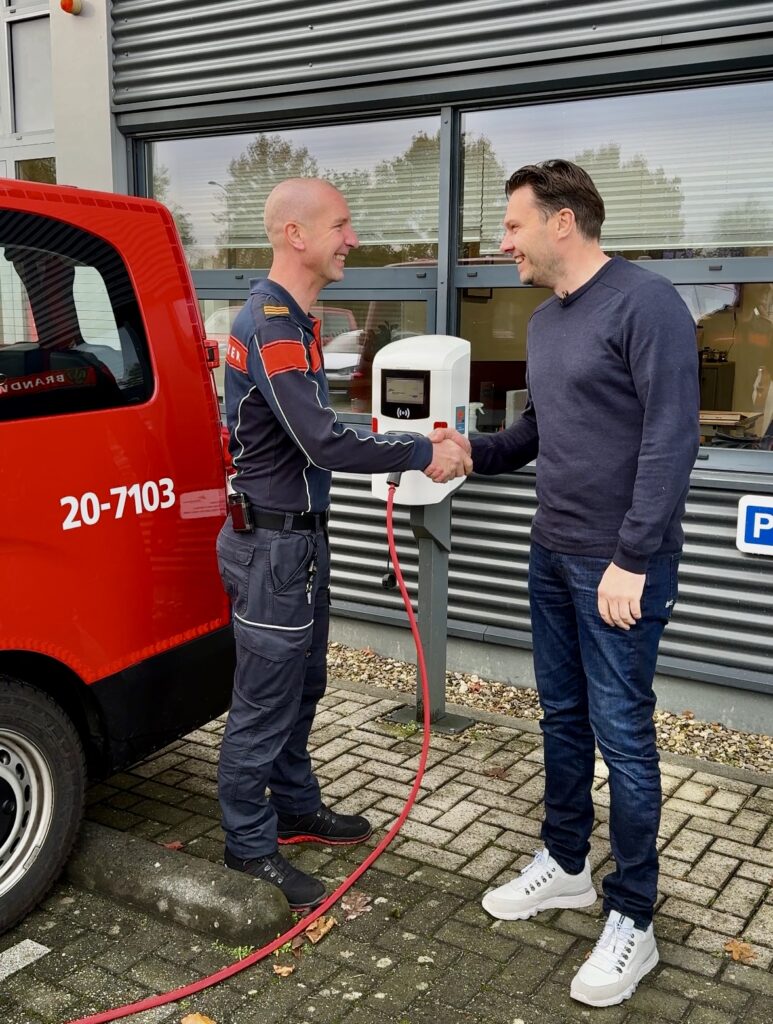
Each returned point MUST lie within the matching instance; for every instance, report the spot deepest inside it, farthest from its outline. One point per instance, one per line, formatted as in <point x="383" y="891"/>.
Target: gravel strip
<point x="677" y="734"/>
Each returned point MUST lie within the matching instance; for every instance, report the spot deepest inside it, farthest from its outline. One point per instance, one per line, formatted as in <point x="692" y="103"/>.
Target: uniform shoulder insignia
<point x="270" y="310"/>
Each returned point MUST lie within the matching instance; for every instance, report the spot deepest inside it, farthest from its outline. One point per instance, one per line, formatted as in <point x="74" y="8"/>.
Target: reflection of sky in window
<point x="717" y="140"/>
<point x="193" y="163"/>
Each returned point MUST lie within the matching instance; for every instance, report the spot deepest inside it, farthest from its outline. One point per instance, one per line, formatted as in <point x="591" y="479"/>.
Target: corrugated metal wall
<point x="722" y="620"/>
<point x="199" y="50"/>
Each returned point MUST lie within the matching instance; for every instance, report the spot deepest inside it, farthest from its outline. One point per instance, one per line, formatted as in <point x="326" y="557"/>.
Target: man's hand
<point x="619" y="596"/>
<point x="445" y="433"/>
<point x="449" y="460"/>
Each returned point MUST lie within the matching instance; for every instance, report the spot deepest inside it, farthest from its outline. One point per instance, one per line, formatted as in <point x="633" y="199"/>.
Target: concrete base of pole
<point x="444" y="723"/>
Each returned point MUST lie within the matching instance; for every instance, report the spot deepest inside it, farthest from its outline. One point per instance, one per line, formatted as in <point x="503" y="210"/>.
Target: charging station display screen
<point x="405" y="394"/>
<point x="405" y="389"/>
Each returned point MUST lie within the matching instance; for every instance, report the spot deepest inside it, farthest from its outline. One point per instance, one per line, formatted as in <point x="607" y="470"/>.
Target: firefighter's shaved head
<point x="309" y="225"/>
<point x="296" y="201"/>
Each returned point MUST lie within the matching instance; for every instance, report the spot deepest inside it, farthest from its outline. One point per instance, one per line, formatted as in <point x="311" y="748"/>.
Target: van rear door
<point x="110" y="450"/>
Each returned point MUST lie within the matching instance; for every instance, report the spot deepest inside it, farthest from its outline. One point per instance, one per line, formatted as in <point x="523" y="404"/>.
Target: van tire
<point x="42" y="785"/>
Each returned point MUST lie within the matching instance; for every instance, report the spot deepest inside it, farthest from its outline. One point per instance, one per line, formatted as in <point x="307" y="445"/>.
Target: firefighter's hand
<point x="619" y="596"/>
<point x="449" y="460"/>
<point x="445" y="433"/>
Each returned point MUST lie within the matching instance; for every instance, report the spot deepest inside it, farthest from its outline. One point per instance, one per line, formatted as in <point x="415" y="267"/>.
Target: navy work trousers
<point x="279" y="585"/>
<point x="595" y="687"/>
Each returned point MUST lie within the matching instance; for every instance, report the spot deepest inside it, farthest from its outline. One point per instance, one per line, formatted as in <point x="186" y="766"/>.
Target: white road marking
<point x="20" y="956"/>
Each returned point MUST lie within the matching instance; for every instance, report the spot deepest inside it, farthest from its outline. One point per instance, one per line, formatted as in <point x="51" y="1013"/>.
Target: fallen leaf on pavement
<point x="740" y="951"/>
<point x="688" y="714"/>
<point x="355" y="904"/>
<point x="283" y="970"/>
<point x="496" y="773"/>
<point x="196" y="1018"/>
<point x="319" y="929"/>
<point x="174" y="845"/>
<point x="297" y="945"/>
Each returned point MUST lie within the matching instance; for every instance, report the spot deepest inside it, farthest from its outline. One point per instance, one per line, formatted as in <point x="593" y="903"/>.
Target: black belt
<point x="281" y="520"/>
<point x="298" y="521"/>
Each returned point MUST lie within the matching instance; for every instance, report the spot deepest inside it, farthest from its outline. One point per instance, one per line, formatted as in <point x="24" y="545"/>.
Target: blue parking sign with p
<point x="755" y="524"/>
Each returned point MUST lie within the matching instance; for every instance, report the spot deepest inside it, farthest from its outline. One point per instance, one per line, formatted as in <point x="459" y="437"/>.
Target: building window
<point x="71" y="335"/>
<point x="33" y="98"/>
<point x="495" y="321"/>
<point x="734" y="329"/>
<point x="735" y="344"/>
<point x="41" y="169"/>
<point x="683" y="174"/>
<point x="351" y="330"/>
<point x="216" y="188"/>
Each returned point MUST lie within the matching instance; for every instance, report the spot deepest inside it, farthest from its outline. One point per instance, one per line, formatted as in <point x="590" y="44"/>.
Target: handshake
<point x="451" y="455"/>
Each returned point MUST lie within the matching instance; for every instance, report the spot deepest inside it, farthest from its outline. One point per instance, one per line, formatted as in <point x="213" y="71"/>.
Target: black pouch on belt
<point x="241" y="516"/>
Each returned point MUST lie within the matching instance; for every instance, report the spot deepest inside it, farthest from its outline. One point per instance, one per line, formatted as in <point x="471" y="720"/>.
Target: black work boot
<point x="323" y="826"/>
<point x="301" y="891"/>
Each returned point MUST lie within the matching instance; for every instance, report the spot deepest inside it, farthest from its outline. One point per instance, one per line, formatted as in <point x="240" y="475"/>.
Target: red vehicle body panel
<point x="103" y="597"/>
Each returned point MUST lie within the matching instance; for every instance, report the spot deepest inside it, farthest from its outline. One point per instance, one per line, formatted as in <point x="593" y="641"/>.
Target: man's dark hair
<point x="559" y="184"/>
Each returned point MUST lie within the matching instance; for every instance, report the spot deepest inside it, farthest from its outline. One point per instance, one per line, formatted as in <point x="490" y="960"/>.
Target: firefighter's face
<point x="329" y="238"/>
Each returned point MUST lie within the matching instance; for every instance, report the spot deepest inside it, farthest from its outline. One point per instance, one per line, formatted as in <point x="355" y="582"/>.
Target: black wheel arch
<point x="68" y="690"/>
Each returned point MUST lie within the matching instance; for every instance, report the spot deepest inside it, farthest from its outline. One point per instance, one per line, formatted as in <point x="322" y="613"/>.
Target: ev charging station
<point x="419" y="384"/>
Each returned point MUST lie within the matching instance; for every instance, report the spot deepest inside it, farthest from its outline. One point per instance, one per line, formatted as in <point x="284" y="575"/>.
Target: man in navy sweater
<point x="612" y="420"/>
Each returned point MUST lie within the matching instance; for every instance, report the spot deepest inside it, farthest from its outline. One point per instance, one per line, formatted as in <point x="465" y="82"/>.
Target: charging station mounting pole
<point x="422" y="383"/>
<point x="431" y="525"/>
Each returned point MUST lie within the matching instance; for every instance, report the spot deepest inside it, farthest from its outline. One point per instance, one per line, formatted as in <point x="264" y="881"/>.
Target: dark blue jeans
<point x="595" y="687"/>
<point x="279" y="585"/>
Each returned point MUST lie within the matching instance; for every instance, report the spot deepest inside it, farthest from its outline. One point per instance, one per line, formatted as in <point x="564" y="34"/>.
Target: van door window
<point x="71" y="334"/>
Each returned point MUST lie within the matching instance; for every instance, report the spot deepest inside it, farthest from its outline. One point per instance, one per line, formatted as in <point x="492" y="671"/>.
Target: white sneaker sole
<point x="621" y="998"/>
<point x="568" y="902"/>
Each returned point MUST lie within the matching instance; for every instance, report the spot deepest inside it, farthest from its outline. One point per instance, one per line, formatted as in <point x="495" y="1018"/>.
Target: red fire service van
<point x="115" y="633"/>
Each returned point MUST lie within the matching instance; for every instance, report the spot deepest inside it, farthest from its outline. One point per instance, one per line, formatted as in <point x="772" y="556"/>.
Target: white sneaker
<point x="619" y="961"/>
<point x="541" y="885"/>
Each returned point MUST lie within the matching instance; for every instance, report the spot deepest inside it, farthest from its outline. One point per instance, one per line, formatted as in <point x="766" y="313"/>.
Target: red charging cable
<point x="260" y="954"/>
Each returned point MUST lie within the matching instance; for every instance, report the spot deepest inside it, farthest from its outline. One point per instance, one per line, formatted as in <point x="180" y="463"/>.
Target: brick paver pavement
<point x="425" y="952"/>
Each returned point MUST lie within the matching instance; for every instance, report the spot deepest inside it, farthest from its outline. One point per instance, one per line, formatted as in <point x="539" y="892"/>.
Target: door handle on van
<point x="212" y="352"/>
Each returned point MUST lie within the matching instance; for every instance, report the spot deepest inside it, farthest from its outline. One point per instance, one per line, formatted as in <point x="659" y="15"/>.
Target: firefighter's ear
<point x="294" y="235"/>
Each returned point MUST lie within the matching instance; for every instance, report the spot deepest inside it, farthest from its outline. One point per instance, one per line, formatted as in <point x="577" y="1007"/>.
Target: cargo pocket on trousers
<point x="274" y="643"/>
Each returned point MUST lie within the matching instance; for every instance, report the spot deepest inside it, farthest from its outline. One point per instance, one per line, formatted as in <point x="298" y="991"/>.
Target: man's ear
<point x="294" y="235"/>
<point x="565" y="222"/>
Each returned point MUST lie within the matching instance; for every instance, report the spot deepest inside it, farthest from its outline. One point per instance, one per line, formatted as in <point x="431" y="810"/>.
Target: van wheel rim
<point x="26" y="806"/>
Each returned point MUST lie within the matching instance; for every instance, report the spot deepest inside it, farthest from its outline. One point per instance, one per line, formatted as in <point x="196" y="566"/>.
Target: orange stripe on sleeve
<point x="236" y="355"/>
<point x="315" y="349"/>
<point x="316" y="358"/>
<point x="280" y="356"/>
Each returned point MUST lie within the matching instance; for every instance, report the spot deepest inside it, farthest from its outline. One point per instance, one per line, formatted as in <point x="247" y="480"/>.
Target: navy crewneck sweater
<point x="612" y="418"/>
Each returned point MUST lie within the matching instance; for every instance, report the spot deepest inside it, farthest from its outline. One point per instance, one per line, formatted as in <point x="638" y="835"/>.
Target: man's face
<point x="530" y="240"/>
<point x="329" y="236"/>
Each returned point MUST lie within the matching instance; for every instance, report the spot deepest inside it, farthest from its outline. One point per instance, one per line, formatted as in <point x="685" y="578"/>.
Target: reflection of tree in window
<point x="394" y="206"/>
<point x="643" y="206"/>
<point x="181" y="218"/>
<point x="267" y="160"/>
<point x="743" y="230"/>
<point x="483" y="203"/>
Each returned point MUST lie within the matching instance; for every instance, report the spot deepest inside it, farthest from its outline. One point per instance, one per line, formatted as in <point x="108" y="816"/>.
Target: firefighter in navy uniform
<point x="273" y="549"/>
